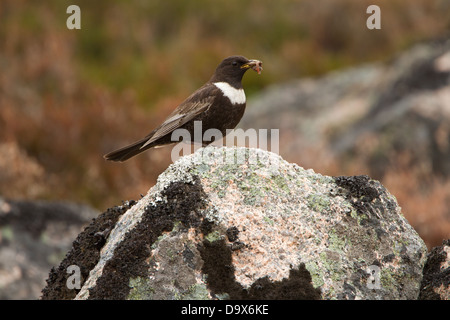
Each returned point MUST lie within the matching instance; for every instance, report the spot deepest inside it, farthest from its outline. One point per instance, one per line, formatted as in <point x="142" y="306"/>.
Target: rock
<point x="409" y="114"/>
<point x="238" y="223"/>
<point x="34" y="236"/>
<point x="84" y="254"/>
<point x="436" y="274"/>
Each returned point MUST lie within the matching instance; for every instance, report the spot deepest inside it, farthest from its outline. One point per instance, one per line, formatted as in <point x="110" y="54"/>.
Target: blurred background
<point x="347" y="100"/>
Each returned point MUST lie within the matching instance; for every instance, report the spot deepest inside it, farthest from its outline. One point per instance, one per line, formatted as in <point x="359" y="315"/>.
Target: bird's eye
<point x="234" y="63"/>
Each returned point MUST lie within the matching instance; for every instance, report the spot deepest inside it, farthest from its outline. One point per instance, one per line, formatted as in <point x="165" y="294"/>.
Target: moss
<point x="256" y="187"/>
<point x="201" y="169"/>
<point x="281" y="184"/>
<point x="130" y="259"/>
<point x="318" y="203"/>
<point x="316" y="274"/>
<point x="213" y="236"/>
<point x="399" y="246"/>
<point x="387" y="279"/>
<point x="330" y="262"/>
<point x="251" y="188"/>
<point x="359" y="217"/>
<point x="158" y="240"/>
<point x="141" y="289"/>
<point x="85" y="253"/>
<point x="220" y="182"/>
<point x="177" y="225"/>
<point x="197" y="291"/>
<point x="322" y="180"/>
<point x="7" y="233"/>
<point x="337" y="242"/>
<point x="268" y="221"/>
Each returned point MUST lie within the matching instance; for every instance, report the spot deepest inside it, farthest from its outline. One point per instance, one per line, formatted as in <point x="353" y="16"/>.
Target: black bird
<point x="219" y="104"/>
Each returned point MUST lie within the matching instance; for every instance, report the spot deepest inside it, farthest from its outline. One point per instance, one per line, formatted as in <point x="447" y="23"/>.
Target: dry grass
<point x="425" y="201"/>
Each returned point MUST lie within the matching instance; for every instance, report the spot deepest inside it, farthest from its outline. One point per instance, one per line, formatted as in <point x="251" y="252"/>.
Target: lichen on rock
<point x="238" y="223"/>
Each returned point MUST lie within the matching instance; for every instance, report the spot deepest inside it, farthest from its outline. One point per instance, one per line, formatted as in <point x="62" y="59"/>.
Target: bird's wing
<point x="186" y="111"/>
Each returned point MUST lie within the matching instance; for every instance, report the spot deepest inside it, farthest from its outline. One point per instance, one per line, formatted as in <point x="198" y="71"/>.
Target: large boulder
<point x="34" y="236"/>
<point x="238" y="223"/>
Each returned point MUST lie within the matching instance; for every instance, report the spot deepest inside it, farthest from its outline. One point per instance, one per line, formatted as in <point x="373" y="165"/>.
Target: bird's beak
<point x="255" y="65"/>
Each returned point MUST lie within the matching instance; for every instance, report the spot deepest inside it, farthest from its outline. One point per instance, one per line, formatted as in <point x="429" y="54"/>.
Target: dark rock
<point x="436" y="274"/>
<point x="34" y="236"/>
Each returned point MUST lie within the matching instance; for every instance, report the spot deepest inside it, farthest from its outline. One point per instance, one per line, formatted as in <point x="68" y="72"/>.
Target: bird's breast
<point x="236" y="96"/>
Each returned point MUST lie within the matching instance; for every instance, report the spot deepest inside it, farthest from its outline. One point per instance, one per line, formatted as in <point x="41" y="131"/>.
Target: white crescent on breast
<point x="236" y="96"/>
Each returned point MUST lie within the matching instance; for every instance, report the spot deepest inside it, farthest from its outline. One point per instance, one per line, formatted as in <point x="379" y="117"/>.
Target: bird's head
<point x="232" y="69"/>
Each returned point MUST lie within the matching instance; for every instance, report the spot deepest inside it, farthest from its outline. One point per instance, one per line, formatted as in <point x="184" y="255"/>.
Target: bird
<point x="219" y="104"/>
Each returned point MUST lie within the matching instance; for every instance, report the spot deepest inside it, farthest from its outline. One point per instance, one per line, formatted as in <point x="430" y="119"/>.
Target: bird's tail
<point x="129" y="151"/>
